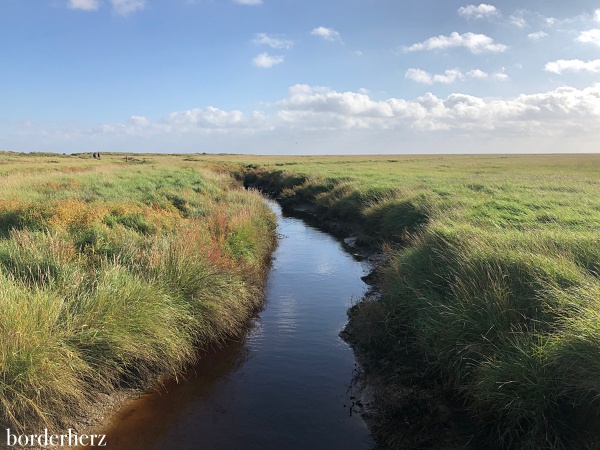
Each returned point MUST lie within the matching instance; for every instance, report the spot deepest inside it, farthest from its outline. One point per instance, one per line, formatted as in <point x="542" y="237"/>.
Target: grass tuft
<point x="114" y="276"/>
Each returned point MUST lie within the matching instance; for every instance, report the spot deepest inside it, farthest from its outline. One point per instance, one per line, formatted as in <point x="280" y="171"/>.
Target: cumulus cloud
<point x="481" y="11"/>
<point x="266" y="61"/>
<point x="329" y="34"/>
<point x="140" y="121"/>
<point x="248" y="2"/>
<point x="453" y="75"/>
<point x="84" y="5"/>
<point x="475" y="43"/>
<point x="563" y="111"/>
<point x="590" y="37"/>
<point x="537" y="35"/>
<point x="573" y="65"/>
<point x="421" y="76"/>
<point x="566" y="108"/>
<point x="272" y="41"/>
<point x="316" y="107"/>
<point x="478" y="74"/>
<point x="126" y="7"/>
<point x="208" y="118"/>
<point x="325" y="120"/>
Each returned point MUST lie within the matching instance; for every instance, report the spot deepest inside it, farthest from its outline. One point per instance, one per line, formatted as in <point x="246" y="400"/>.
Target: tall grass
<point x="493" y="274"/>
<point x="111" y="275"/>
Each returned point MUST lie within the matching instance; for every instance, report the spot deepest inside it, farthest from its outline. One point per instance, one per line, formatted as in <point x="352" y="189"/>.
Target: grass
<point x="113" y="273"/>
<point x="492" y="271"/>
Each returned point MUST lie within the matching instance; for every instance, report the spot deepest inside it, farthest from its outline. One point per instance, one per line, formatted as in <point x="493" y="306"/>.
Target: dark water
<point x="288" y="385"/>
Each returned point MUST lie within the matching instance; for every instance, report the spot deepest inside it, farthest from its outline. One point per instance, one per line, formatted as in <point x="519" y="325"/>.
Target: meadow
<point x="492" y="278"/>
<point x="115" y="272"/>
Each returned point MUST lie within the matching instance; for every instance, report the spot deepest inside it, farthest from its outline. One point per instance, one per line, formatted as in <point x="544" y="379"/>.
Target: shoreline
<point x="106" y="297"/>
<point x="405" y="406"/>
<point x="431" y="417"/>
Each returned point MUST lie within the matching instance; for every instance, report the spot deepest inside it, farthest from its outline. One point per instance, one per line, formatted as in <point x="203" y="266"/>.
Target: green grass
<point x="113" y="273"/>
<point x="493" y="269"/>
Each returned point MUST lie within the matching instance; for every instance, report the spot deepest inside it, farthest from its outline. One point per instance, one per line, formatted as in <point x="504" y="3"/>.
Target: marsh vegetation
<point x="114" y="272"/>
<point x="491" y="279"/>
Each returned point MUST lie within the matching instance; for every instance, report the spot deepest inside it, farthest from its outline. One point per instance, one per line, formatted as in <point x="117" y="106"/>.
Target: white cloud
<point x="421" y="76"/>
<point x="272" y="41"/>
<point x="537" y="35"/>
<point x="475" y="43"/>
<point x="585" y="18"/>
<point x="266" y="61"/>
<point x="126" y="7"/>
<point x="573" y="65"/>
<point x="518" y="20"/>
<point x="477" y="74"/>
<point x="140" y="121"/>
<point x="324" y="120"/>
<point x="590" y="37"/>
<point x="453" y="75"/>
<point x="322" y="100"/>
<point x="564" y="109"/>
<point x="208" y="118"/>
<point x="248" y="2"/>
<point x="478" y="12"/>
<point x="329" y="34"/>
<point x="85" y="5"/>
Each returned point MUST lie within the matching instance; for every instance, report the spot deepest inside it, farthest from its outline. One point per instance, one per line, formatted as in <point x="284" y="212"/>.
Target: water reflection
<point x="286" y="385"/>
<point x="143" y="421"/>
<point x="287" y="314"/>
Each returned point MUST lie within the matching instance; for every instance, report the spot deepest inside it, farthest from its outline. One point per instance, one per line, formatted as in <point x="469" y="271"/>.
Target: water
<point x="287" y="385"/>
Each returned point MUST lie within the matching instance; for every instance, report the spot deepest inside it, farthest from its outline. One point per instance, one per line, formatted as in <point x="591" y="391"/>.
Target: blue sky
<point x="293" y="77"/>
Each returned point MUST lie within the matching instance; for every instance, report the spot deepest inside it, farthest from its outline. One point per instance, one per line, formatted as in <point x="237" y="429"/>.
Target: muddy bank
<point x="411" y="407"/>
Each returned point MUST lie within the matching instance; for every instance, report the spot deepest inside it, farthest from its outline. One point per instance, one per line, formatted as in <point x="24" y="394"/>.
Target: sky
<point x="300" y="77"/>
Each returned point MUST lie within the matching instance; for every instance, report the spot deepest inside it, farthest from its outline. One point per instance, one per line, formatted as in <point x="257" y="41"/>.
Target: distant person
<point x="98" y="154"/>
<point x="94" y="155"/>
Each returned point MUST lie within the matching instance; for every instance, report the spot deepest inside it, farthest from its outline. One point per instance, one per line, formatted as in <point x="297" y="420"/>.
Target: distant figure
<point x="94" y="155"/>
<point x="98" y="154"/>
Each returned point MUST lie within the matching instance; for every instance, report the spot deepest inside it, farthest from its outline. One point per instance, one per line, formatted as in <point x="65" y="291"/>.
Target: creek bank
<point x="286" y="386"/>
<point x="407" y="405"/>
<point x="102" y="295"/>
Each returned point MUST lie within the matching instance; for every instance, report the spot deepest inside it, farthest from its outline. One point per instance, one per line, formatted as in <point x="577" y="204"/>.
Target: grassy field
<point x="115" y="271"/>
<point x="492" y="276"/>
